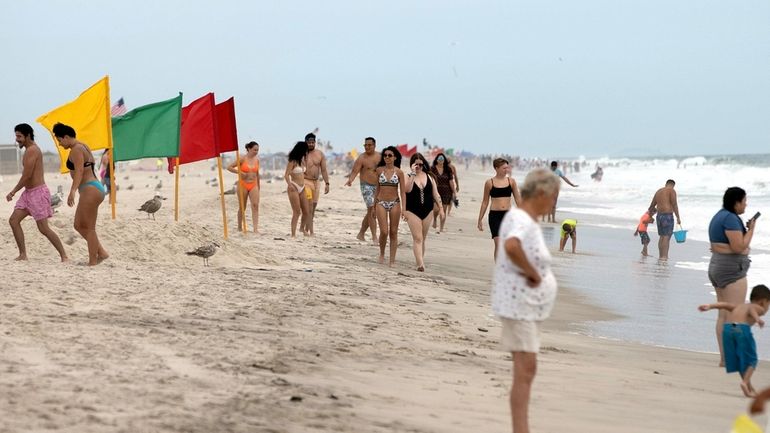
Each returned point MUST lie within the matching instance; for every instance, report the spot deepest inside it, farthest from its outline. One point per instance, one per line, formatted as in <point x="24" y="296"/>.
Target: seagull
<point x="56" y="200"/>
<point x="159" y="185"/>
<point x="152" y="206"/>
<point x="205" y="251"/>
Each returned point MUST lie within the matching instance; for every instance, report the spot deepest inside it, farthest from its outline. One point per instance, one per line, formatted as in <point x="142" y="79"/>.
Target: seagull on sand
<point x="56" y="200"/>
<point x="205" y="251"/>
<point x="152" y="206"/>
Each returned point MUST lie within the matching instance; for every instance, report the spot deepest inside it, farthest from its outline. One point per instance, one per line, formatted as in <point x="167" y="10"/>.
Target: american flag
<point x="119" y="108"/>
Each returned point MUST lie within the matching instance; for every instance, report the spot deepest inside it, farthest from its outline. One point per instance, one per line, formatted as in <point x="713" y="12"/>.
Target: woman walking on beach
<point x="248" y="183"/>
<point x="524" y="288"/>
<point x="445" y="184"/>
<point x="498" y="190"/>
<point x="295" y="181"/>
<point x="421" y="194"/>
<point x="81" y="166"/>
<point x="730" y="241"/>
<point x="389" y="197"/>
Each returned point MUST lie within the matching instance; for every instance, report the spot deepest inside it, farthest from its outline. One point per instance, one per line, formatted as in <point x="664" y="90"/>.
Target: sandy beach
<point x="307" y="335"/>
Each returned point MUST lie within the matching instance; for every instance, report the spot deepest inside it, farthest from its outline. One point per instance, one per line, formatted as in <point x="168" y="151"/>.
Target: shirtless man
<point x="665" y="201"/>
<point x="366" y="164"/>
<point x="316" y="165"/>
<point x="36" y="199"/>
<point x="558" y="172"/>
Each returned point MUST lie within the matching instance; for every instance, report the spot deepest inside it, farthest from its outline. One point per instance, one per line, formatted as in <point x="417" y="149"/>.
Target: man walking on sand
<point x="36" y="199"/>
<point x="665" y="202"/>
<point x="315" y="162"/>
<point x="366" y="164"/>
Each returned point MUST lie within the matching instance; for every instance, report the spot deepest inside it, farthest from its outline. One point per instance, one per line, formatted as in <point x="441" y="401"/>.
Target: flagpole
<point x="109" y="146"/>
<point x="112" y="182"/>
<point x="222" y="196"/>
<point x="241" y="201"/>
<point x="176" y="189"/>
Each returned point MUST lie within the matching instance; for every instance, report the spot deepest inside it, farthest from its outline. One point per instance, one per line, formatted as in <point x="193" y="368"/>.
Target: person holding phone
<point x="730" y="241"/>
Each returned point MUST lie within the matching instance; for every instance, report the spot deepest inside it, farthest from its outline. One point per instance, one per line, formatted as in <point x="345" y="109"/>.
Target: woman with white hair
<point x="524" y="288"/>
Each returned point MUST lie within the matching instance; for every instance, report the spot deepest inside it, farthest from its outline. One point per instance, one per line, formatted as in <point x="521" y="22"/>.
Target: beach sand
<point x="282" y="335"/>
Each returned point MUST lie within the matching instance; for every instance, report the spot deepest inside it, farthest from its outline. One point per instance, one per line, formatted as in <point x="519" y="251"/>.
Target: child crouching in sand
<point x="737" y="341"/>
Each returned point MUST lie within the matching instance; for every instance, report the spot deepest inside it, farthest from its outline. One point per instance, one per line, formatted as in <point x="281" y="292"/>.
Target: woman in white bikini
<point x="389" y="197"/>
<point x="295" y="180"/>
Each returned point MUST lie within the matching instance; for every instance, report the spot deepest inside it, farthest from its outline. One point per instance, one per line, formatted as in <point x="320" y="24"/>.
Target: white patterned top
<point x="511" y="296"/>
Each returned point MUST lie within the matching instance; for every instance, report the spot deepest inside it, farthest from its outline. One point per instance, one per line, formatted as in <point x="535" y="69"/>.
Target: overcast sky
<point x="536" y="78"/>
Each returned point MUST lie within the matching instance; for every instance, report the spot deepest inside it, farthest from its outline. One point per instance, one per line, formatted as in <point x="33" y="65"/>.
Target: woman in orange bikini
<point x="295" y="186"/>
<point x="248" y="183"/>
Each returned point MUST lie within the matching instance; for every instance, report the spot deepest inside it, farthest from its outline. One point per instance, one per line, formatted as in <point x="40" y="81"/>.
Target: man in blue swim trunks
<point x="366" y="164"/>
<point x="665" y="201"/>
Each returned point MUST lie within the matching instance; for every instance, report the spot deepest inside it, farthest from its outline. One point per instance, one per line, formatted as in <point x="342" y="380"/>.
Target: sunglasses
<point x="418" y="165"/>
<point x="389" y="155"/>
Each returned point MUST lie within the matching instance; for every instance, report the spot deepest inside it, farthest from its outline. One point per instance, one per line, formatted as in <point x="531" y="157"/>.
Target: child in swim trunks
<point x="738" y="343"/>
<point x="641" y="229"/>
<point x="568" y="230"/>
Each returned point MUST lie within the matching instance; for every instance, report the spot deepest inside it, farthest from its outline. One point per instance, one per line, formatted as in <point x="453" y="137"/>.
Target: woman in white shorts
<point x="524" y="288"/>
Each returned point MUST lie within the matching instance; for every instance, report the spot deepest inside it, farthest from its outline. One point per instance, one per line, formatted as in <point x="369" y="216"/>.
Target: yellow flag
<point x="89" y="115"/>
<point x="354" y="154"/>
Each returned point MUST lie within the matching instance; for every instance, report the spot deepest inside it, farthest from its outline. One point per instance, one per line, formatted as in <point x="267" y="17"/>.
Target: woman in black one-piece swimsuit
<point x="421" y="193"/>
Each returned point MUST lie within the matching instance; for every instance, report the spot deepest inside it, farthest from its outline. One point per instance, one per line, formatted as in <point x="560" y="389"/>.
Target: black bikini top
<point x="496" y="192"/>
<point x="71" y="166"/>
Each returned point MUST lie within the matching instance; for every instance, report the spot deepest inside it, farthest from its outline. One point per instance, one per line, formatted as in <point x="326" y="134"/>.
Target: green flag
<point x="450" y="152"/>
<point x="149" y="131"/>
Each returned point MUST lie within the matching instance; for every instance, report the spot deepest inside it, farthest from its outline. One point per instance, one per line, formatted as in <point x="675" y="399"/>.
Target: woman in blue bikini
<point x="81" y="166"/>
<point x="389" y="197"/>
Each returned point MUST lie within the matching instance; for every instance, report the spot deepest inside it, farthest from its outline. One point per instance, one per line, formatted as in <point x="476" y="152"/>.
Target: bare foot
<point x="746" y="390"/>
<point x="421" y="269"/>
<point x="361" y="237"/>
<point x="100" y="259"/>
<point x="21" y="257"/>
<point x="381" y="260"/>
<point x="65" y="259"/>
<point x="392" y="264"/>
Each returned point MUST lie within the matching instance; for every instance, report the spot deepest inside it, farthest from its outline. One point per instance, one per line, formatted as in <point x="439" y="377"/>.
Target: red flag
<point x="228" y="134"/>
<point x="406" y="151"/>
<point x="199" y="136"/>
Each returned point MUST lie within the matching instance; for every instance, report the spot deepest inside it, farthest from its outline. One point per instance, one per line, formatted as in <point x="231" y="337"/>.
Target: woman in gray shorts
<point x="729" y="263"/>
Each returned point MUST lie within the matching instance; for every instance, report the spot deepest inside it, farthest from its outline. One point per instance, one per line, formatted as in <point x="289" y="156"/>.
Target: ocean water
<point x="628" y="185"/>
<point x="659" y="300"/>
